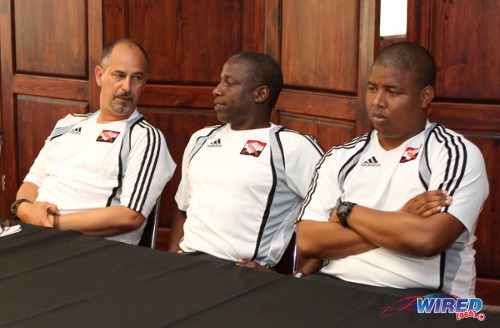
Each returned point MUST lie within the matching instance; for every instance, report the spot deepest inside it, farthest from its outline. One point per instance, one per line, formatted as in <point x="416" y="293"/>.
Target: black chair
<point x="288" y="261"/>
<point x="148" y="238"/>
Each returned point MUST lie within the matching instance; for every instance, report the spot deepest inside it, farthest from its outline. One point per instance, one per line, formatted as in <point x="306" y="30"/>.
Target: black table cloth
<point x="55" y="278"/>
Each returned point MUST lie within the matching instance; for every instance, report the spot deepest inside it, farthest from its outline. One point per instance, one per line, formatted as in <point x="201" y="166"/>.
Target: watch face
<point x="342" y="208"/>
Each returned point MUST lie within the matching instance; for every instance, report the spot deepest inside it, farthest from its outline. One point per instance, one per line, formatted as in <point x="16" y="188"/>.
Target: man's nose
<point x="127" y="84"/>
<point x="217" y="91"/>
<point x="379" y="98"/>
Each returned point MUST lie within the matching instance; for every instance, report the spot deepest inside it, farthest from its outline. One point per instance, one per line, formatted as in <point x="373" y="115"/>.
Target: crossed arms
<point x="419" y="229"/>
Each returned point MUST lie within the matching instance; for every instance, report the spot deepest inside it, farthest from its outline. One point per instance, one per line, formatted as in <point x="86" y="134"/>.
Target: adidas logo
<point x="215" y="143"/>
<point x="76" y="130"/>
<point x="371" y="162"/>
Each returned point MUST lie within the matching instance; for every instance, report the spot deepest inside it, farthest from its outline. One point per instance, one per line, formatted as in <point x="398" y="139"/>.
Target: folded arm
<point x="406" y="233"/>
<point x="107" y="221"/>
<point x="103" y="222"/>
<point x="330" y="240"/>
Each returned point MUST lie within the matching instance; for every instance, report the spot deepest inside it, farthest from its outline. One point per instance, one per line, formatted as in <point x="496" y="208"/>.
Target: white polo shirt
<point x="386" y="180"/>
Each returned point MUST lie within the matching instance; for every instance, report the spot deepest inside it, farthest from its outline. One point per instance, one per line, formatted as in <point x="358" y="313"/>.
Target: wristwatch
<point x="13" y="207"/>
<point x="343" y="211"/>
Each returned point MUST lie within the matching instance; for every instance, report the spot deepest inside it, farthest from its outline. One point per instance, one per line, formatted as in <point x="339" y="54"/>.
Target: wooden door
<point x="463" y="37"/>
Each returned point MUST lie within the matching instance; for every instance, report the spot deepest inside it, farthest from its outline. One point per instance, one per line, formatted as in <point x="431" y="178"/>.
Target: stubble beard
<point x="121" y="107"/>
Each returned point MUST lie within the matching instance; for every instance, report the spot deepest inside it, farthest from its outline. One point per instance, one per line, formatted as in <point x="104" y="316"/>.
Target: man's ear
<point x="98" y="75"/>
<point x="261" y="94"/>
<point x="426" y="96"/>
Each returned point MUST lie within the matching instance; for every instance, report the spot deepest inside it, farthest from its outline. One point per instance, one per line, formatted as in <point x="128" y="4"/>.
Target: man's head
<point x="400" y="88"/>
<point x="248" y="90"/>
<point x="122" y="77"/>
<point x="412" y="58"/>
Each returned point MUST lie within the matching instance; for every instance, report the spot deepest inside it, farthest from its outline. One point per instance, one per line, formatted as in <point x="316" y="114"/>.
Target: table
<point x="53" y="278"/>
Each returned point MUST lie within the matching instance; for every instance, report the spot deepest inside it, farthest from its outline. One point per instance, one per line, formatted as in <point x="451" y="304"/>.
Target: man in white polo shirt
<point x="243" y="181"/>
<point x="101" y="173"/>
<point x="353" y="215"/>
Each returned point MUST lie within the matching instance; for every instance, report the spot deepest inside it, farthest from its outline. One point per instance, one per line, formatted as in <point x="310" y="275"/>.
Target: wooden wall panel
<point x="328" y="132"/>
<point x="35" y="119"/>
<point x="325" y="62"/>
<point x="318" y="51"/>
<point x="58" y="49"/>
<point x="187" y="50"/>
<point x="487" y="245"/>
<point x="470" y="62"/>
<point x="187" y="41"/>
<point x="319" y="105"/>
<point x="466" y="116"/>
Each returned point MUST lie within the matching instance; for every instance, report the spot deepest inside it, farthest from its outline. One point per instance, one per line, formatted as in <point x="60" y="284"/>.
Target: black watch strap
<point x="343" y="211"/>
<point x="13" y="207"/>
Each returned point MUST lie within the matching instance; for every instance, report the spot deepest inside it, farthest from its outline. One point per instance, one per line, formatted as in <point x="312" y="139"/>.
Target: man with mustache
<point x="101" y="173"/>
<point x="243" y="181"/>
<point x="355" y="216"/>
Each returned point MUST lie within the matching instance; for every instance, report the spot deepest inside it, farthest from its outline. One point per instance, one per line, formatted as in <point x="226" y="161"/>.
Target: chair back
<point x="148" y="238"/>
<point x="288" y="261"/>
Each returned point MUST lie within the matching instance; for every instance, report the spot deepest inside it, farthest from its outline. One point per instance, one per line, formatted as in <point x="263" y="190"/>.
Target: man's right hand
<point x="428" y="203"/>
<point x="38" y="213"/>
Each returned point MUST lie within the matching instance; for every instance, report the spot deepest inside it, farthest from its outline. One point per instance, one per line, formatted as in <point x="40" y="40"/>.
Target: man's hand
<point x="39" y="213"/>
<point x="252" y="265"/>
<point x="428" y="203"/>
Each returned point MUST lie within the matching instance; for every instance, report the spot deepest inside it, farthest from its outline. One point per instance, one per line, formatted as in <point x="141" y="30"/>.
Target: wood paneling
<point x="188" y="41"/>
<point x="323" y="61"/>
<point x="319" y="52"/>
<point x="327" y="132"/>
<point x="179" y="53"/>
<point x="466" y="116"/>
<point x="58" y="49"/>
<point x="468" y="67"/>
<point x="178" y="96"/>
<point x="487" y="245"/>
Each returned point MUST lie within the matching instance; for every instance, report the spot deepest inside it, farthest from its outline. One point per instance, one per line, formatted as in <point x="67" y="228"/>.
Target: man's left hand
<point x="253" y="265"/>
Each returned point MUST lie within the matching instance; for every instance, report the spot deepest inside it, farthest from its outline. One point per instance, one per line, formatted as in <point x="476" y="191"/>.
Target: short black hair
<point x="410" y="57"/>
<point x="108" y="48"/>
<point x="265" y="71"/>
